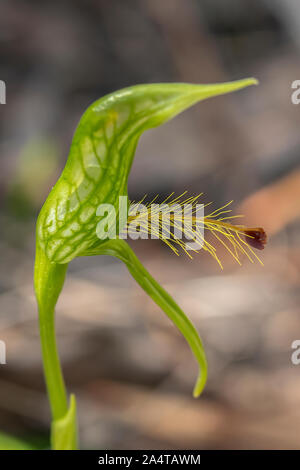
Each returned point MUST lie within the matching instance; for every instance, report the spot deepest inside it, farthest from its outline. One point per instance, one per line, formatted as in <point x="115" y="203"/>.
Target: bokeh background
<point x="130" y="369"/>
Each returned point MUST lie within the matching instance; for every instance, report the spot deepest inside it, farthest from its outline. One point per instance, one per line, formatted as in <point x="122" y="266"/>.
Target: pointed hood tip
<point x="253" y="81"/>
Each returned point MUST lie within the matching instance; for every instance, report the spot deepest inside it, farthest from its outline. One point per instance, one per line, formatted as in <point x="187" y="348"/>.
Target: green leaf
<point x="101" y="155"/>
<point x="64" y="430"/>
<point x="8" y="442"/>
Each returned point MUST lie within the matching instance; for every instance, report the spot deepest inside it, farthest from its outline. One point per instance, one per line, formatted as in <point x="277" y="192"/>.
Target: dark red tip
<point x="256" y="237"/>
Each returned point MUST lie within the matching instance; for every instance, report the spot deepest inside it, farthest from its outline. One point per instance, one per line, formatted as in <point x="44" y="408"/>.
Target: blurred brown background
<point x="131" y="371"/>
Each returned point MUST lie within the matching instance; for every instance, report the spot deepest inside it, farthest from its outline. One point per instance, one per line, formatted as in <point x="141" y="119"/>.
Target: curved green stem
<point x="48" y="280"/>
<point x="52" y="369"/>
<point x="120" y="249"/>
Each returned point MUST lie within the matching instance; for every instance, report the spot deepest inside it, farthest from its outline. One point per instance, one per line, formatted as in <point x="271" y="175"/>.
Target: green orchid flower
<point x="96" y="173"/>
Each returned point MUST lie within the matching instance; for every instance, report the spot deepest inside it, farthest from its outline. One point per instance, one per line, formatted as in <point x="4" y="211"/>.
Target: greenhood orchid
<point x="96" y="172"/>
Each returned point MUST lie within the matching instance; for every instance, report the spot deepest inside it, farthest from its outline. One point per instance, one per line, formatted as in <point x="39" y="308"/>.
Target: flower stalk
<point x="48" y="282"/>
